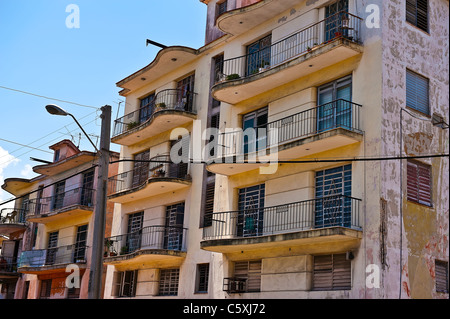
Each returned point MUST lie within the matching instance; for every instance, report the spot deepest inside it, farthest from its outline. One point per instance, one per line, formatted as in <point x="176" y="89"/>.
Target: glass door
<point x="333" y="24"/>
<point x="258" y="121"/>
<point x="335" y="107"/>
<point x="258" y="55"/>
<point x="51" y="248"/>
<point x="173" y="238"/>
<point x="80" y="244"/>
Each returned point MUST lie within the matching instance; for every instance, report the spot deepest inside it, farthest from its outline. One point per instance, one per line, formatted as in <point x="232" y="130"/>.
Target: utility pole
<point x="96" y="269"/>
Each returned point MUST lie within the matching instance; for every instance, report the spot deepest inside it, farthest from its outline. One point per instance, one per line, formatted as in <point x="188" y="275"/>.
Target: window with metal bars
<point x="417" y="13"/>
<point x="417" y="92"/>
<point x="419" y="183"/>
<point x="168" y="282"/>
<point x="331" y="272"/>
<point x="124" y="283"/>
<point x="441" y="273"/>
<point x="46" y="288"/>
<point x="202" y="278"/>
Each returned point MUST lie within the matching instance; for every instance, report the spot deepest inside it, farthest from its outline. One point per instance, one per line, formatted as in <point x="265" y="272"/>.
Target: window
<point x="140" y="170"/>
<point x="417" y="89"/>
<point x="258" y="54"/>
<point x="209" y="200"/>
<point x="46" y="288"/>
<point x="185" y="98"/>
<point x="124" y="283"/>
<point x="333" y="19"/>
<point x="146" y="108"/>
<point x="331" y="272"/>
<point x="52" y="248"/>
<point x="57" y="152"/>
<point x="419" y="183"/>
<point x="417" y="13"/>
<point x="134" y="234"/>
<point x="168" y="282"/>
<point x="173" y="236"/>
<point x="250" y="272"/>
<point x="58" y="200"/>
<point x="221" y="8"/>
<point x="333" y="201"/>
<point x="80" y="244"/>
<point x="251" y="211"/>
<point x="441" y="271"/>
<point x="335" y="108"/>
<point x="202" y="278"/>
<point x="255" y="120"/>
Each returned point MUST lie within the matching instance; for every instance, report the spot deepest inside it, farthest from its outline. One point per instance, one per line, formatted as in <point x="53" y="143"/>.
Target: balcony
<point x="152" y="244"/>
<point x="52" y="260"/>
<point x="318" y="225"/>
<point x="242" y="19"/>
<point x="72" y="203"/>
<point x="170" y="109"/>
<point x="325" y="127"/>
<point x="8" y="267"/>
<point x="12" y="220"/>
<point x="159" y="176"/>
<point x="321" y="45"/>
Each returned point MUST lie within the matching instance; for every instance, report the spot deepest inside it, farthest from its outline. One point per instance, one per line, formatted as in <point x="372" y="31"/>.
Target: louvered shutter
<point x="332" y="272"/>
<point x="417" y="92"/>
<point x="417" y="13"/>
<point x="250" y="270"/>
<point x="441" y="272"/>
<point x="209" y="203"/>
<point x="419" y="183"/>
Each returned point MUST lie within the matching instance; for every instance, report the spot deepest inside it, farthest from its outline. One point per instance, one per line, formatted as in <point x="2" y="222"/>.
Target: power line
<point x="48" y="98"/>
<point x="23" y="145"/>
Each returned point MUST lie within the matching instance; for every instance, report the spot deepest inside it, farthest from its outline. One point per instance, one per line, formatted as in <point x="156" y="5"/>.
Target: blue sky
<point x="41" y="55"/>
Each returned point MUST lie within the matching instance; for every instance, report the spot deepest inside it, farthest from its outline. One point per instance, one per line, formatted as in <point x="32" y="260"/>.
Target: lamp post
<point x="96" y="269"/>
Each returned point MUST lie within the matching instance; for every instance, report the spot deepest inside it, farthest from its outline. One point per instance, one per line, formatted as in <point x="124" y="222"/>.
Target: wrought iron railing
<point x="335" y="114"/>
<point x="75" y="253"/>
<point x="77" y="196"/>
<point x="158" y="167"/>
<point x="151" y="237"/>
<point x="13" y="216"/>
<point x="330" y="211"/>
<point x="338" y="26"/>
<point x="171" y="99"/>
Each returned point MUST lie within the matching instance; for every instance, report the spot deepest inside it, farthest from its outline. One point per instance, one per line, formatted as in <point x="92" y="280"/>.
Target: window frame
<point x="416" y="10"/>
<point x="202" y="278"/>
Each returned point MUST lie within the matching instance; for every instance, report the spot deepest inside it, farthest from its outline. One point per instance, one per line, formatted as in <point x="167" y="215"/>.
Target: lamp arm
<point x="96" y="149"/>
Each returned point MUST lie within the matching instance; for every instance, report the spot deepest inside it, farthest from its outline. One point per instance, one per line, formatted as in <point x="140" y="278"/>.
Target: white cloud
<point x="27" y="171"/>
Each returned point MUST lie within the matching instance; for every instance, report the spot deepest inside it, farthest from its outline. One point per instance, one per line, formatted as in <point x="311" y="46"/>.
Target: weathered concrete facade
<point x="278" y="257"/>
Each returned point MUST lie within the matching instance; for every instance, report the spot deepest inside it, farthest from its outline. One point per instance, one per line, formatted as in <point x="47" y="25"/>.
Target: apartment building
<point x="317" y="84"/>
<point x="51" y="226"/>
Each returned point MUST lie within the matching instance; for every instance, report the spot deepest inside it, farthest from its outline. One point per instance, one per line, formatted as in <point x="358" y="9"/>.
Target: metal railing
<point x="335" y="114"/>
<point x="338" y="26"/>
<point x="151" y="237"/>
<point x="330" y="211"/>
<point x="158" y="167"/>
<point x="8" y="264"/>
<point x="76" y="196"/>
<point x="13" y="216"/>
<point x="54" y="256"/>
<point x="171" y="99"/>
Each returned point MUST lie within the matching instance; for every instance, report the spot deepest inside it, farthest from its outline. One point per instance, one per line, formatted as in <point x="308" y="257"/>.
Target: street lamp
<point x="96" y="271"/>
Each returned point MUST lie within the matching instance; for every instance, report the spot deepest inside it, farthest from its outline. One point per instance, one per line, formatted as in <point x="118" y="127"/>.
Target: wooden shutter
<point x="140" y="171"/>
<point x="441" y="271"/>
<point x="417" y="13"/>
<point x="250" y="270"/>
<point x="419" y="183"/>
<point x="332" y="272"/>
<point x="117" y="283"/>
<point x="417" y="92"/>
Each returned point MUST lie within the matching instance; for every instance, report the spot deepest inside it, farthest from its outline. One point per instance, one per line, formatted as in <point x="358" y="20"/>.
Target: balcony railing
<point x="171" y="99"/>
<point x="77" y="196"/>
<point x="13" y="216"/>
<point x="158" y="167"/>
<point x="8" y="264"/>
<point x="330" y="211"/>
<point x="53" y="256"/>
<point x="151" y="237"/>
<point x="338" y="26"/>
<point x="336" y="114"/>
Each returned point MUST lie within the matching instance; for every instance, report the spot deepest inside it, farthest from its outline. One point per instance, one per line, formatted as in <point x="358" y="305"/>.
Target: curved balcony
<point x="12" y="220"/>
<point x="152" y="244"/>
<point x="158" y="176"/>
<point x="315" y="225"/>
<point x="325" y="127"/>
<point x="72" y="203"/>
<point x="52" y="260"/>
<point x="242" y="19"/>
<point x="169" y="109"/>
<point x="321" y="45"/>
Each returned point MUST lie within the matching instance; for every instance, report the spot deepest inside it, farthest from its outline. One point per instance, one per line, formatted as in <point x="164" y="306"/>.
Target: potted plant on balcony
<point x="160" y="106"/>
<point x="265" y="65"/>
<point x="160" y="173"/>
<point x="124" y="250"/>
<point x="132" y="125"/>
<point x="233" y="76"/>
